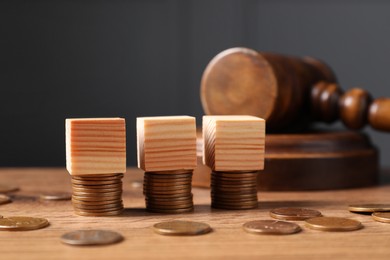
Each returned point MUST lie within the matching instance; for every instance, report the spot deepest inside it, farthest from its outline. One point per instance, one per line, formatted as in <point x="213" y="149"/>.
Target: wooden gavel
<point x="285" y="91"/>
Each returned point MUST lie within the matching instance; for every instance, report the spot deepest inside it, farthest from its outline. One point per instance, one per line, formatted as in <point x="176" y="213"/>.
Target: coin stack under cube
<point x="167" y="154"/>
<point x="234" y="150"/>
<point x="96" y="160"/>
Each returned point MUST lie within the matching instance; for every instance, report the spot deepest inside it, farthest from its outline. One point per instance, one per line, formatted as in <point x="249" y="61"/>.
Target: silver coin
<point x="91" y="237"/>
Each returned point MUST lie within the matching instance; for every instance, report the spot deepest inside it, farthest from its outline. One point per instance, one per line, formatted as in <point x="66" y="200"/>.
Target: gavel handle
<point x="355" y="108"/>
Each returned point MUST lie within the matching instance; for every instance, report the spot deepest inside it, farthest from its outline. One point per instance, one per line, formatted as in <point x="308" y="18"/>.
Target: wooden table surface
<point x="227" y="241"/>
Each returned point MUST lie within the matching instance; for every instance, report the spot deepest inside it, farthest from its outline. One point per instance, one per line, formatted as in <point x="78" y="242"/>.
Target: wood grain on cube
<point x="166" y="143"/>
<point x="95" y="146"/>
<point x="233" y="143"/>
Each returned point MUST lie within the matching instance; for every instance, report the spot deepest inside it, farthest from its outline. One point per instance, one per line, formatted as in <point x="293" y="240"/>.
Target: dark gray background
<point x="61" y="59"/>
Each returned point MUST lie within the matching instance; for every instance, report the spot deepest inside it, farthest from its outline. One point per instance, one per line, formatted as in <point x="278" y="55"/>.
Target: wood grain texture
<point x="95" y="145"/>
<point x="166" y="143"/>
<point x="227" y="241"/>
<point x="233" y="143"/>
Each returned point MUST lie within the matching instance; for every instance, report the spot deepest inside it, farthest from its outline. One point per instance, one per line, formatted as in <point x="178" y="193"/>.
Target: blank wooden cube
<point x="95" y="146"/>
<point x="166" y="143"/>
<point x="233" y="143"/>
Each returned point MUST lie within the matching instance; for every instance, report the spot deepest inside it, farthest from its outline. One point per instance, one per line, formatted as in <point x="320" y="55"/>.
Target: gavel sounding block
<point x="166" y="143"/>
<point x="95" y="146"/>
<point x="233" y="143"/>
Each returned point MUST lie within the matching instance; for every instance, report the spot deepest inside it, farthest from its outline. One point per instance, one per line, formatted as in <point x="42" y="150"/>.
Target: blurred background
<point x="129" y="58"/>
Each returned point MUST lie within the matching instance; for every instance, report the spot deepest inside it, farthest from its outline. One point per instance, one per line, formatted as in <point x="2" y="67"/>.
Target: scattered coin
<point x="181" y="228"/>
<point x="168" y="193"/>
<point x="22" y="223"/>
<point x="97" y="195"/>
<point x="294" y="213"/>
<point x="56" y="196"/>
<point x="273" y="227"/>
<point x="381" y="216"/>
<point x="333" y="224"/>
<point x="5" y="188"/>
<point x="368" y="208"/>
<point x="4" y="199"/>
<point x="91" y="237"/>
<point x="233" y="190"/>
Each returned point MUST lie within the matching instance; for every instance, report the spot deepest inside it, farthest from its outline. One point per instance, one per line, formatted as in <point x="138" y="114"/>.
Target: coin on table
<point x="56" y="196"/>
<point x="5" y="188"/>
<point x="4" y="199"/>
<point x="368" y="208"/>
<point x="91" y="237"/>
<point x="333" y="224"/>
<point x="381" y="216"/>
<point x="271" y="227"/>
<point x="181" y="228"/>
<point x="294" y="213"/>
<point x="22" y="223"/>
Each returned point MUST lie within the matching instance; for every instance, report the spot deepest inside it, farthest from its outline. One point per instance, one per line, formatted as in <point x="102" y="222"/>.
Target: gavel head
<point x="241" y="81"/>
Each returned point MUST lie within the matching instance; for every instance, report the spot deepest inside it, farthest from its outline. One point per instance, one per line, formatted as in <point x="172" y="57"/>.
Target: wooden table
<point x="227" y="241"/>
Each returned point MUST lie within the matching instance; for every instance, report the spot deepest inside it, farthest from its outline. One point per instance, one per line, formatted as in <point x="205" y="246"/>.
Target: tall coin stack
<point x="96" y="160"/>
<point x="97" y="195"/>
<point x="168" y="193"/>
<point x="167" y="154"/>
<point x="233" y="147"/>
<point x="234" y="190"/>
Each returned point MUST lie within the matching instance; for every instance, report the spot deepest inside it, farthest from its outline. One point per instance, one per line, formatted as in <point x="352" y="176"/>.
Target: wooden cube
<point x="166" y="143"/>
<point x="95" y="146"/>
<point x="233" y="143"/>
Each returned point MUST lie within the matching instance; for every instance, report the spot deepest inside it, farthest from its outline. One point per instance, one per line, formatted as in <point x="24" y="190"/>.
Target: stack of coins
<point x="234" y="190"/>
<point x="168" y="192"/>
<point x="97" y="195"/>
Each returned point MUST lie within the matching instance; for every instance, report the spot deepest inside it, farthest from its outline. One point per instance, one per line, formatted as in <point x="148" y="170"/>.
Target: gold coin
<point x="294" y="213"/>
<point x="4" y="199"/>
<point x="91" y="237"/>
<point x="98" y="202"/>
<point x="98" y="207"/>
<point x="176" y="192"/>
<point x="273" y="227"/>
<point x="56" y="196"/>
<point x="97" y="193"/>
<point x="166" y="187"/>
<point x="181" y="228"/>
<point x="76" y="190"/>
<point x="368" y="208"/>
<point x="5" y="188"/>
<point x="381" y="216"/>
<point x="99" y="210"/>
<point x="22" y="223"/>
<point x="237" y="175"/>
<point x="333" y="224"/>
<point x="101" y="214"/>
<point x="94" y="183"/>
<point x="97" y="187"/>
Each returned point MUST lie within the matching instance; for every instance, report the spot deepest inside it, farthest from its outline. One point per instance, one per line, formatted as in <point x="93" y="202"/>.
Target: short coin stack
<point x="234" y="150"/>
<point x="96" y="160"/>
<point x="168" y="193"/>
<point x="231" y="190"/>
<point x="97" y="195"/>
<point x="167" y="154"/>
